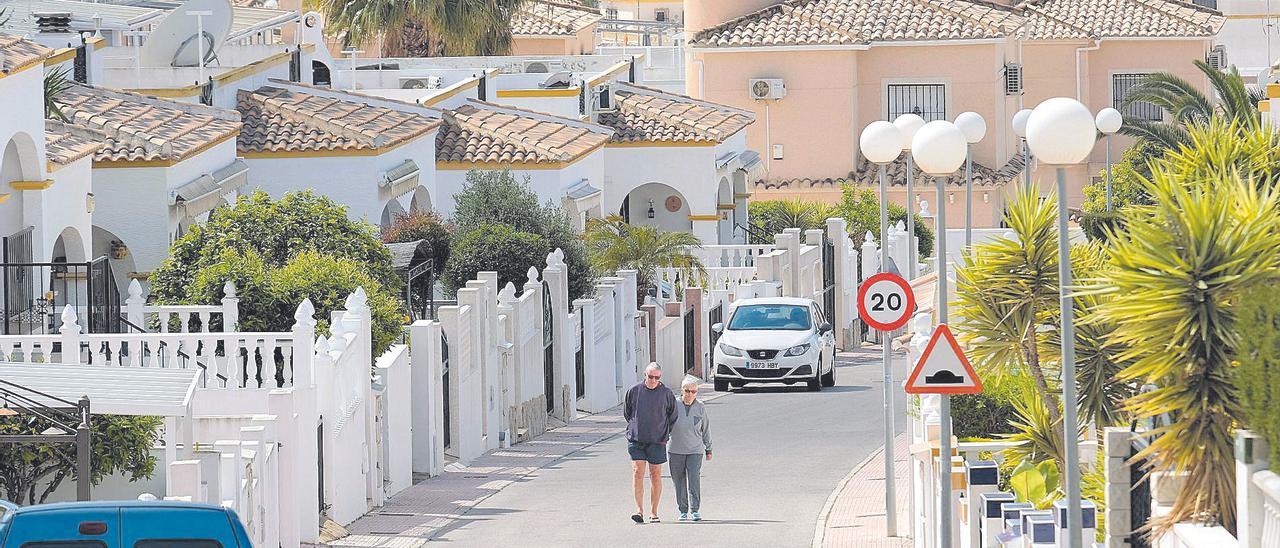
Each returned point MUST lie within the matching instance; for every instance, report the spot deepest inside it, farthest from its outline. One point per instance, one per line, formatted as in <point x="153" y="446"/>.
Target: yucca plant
<point x="1099" y="358"/>
<point x="56" y="83"/>
<point x="614" y="245"/>
<point x="1177" y="274"/>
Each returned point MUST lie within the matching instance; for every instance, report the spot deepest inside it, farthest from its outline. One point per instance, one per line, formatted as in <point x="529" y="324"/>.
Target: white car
<point x="774" y="339"/>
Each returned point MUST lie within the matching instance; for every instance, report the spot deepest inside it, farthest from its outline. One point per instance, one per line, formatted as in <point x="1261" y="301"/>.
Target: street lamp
<point x="974" y="128"/>
<point x="1061" y="132"/>
<point x="940" y="148"/>
<point x="881" y="143"/>
<point x="1020" y="129"/>
<point x="1109" y="121"/>
<point x="909" y="124"/>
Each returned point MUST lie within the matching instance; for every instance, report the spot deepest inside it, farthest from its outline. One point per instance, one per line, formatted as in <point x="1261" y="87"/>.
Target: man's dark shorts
<point x="655" y="453"/>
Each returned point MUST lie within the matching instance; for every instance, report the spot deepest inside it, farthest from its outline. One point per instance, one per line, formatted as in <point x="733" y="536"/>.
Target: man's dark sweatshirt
<point x="650" y="413"/>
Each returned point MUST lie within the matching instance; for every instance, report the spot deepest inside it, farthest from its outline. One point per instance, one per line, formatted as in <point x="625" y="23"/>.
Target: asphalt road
<point x="779" y="452"/>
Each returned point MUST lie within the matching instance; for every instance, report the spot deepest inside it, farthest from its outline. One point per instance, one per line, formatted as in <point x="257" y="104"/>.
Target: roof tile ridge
<point x="1158" y="5"/>
<point x="949" y="7"/>
<point x="297" y="114"/>
<point x="189" y="108"/>
<point x="467" y="122"/>
<point x="658" y="115"/>
<point x="745" y="17"/>
<point x="1035" y="6"/>
<point x="793" y="8"/>
<point x="119" y="132"/>
<point x="655" y="92"/>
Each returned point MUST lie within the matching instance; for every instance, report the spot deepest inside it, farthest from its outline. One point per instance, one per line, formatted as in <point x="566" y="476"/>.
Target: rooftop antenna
<point x="351" y="54"/>
<point x="205" y="22"/>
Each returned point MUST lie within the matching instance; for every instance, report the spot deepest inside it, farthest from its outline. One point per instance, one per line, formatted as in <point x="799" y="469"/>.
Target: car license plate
<point x="762" y="365"/>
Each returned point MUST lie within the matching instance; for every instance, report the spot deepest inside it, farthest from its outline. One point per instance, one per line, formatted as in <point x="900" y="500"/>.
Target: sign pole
<point x="944" y="455"/>
<point x="890" y="493"/>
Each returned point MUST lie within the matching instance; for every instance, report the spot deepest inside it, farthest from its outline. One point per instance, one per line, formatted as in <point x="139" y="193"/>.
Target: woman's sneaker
<point x="684" y="516"/>
<point x="697" y="516"/>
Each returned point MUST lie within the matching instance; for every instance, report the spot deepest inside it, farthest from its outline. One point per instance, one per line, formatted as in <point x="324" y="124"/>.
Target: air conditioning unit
<point x="766" y="88"/>
<point x="542" y="67"/>
<point x="1217" y="58"/>
<point x="1012" y="79"/>
<point x="604" y="99"/>
<point x="419" y="82"/>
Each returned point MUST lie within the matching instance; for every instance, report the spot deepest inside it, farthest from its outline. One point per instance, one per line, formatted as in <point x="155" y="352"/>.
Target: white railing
<point x="730" y="255"/>
<point x="165" y="318"/>
<point x="656" y="63"/>
<point x="1269" y="483"/>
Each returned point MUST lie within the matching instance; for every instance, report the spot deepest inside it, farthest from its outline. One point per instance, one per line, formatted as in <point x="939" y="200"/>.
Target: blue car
<point x="121" y="524"/>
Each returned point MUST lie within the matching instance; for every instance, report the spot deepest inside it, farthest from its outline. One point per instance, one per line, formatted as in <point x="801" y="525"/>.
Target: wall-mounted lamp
<point x="90" y="203"/>
<point x="986" y="198"/>
<point x="119" y="250"/>
<point x="651" y="213"/>
<point x="951" y="197"/>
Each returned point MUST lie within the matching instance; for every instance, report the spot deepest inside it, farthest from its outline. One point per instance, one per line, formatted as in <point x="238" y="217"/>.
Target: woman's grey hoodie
<point x="692" y="433"/>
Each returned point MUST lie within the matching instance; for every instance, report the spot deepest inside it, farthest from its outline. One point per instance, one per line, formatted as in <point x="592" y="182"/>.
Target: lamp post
<point x="908" y="125"/>
<point x="1020" y="129"/>
<point x="940" y="149"/>
<point x="881" y="143"/>
<point x="1061" y="132"/>
<point x="1109" y="121"/>
<point x="974" y="128"/>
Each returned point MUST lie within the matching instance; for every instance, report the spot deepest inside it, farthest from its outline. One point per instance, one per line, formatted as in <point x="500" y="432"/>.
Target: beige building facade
<point x="846" y="63"/>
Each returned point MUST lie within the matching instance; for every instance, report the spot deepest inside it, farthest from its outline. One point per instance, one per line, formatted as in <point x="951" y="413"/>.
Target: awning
<point x="206" y="191"/>
<point x="150" y="391"/>
<point x="730" y="160"/>
<point x="400" y="180"/>
<point x="752" y="164"/>
<point x="581" y="190"/>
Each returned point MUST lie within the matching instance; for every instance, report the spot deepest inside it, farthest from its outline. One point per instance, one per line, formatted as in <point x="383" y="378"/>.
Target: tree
<point x="773" y="216"/>
<point x="1259" y="358"/>
<point x="1182" y="270"/>
<point x="278" y="252"/>
<point x="1186" y="106"/>
<point x="616" y="245"/>
<point x="421" y="225"/>
<point x="427" y="27"/>
<point x="497" y="248"/>
<point x="29" y="473"/>
<point x="498" y="198"/>
<point x="860" y="207"/>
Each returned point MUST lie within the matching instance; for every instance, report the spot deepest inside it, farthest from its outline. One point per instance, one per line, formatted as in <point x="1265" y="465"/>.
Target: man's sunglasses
<point x="690" y="391"/>
<point x="655" y="377"/>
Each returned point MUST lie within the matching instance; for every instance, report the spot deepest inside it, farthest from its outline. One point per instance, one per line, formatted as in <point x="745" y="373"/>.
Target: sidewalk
<point x="854" y="516"/>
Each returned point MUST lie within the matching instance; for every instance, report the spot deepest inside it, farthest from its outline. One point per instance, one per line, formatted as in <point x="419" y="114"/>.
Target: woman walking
<point x="690" y="440"/>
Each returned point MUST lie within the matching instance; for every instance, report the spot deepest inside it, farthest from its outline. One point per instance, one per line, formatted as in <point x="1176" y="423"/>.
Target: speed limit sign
<point x="885" y="301"/>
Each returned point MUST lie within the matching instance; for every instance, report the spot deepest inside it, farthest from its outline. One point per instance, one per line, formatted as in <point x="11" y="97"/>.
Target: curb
<point x="820" y="529"/>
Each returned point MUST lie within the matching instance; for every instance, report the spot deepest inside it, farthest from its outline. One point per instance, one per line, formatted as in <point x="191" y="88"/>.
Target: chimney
<point x="704" y="14"/>
<point x="53" y="22"/>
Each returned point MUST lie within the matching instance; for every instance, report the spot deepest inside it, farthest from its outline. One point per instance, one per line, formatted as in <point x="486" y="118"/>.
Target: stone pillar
<point x="983" y="480"/>
<point x="900" y="249"/>
<point x="134" y="305"/>
<point x="300" y="451"/>
<point x="556" y="274"/>
<point x="70" y="331"/>
<point x="230" y="308"/>
<point x="514" y="355"/>
<point x="1118" y="483"/>
<point x="428" y="397"/>
<point x="465" y="388"/>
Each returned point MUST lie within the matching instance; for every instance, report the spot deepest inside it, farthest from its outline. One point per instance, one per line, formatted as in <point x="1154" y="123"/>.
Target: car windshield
<point x="786" y="317"/>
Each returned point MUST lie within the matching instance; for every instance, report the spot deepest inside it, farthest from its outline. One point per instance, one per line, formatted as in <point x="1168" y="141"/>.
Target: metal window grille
<point x="1141" y="110"/>
<point x="660" y="15"/>
<point x="611" y="13"/>
<point x="929" y="101"/>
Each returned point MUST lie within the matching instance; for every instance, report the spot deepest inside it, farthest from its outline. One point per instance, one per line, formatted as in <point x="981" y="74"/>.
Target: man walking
<point x="650" y="410"/>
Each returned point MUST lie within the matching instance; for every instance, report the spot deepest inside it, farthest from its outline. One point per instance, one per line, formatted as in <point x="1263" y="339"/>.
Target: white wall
<point x="60" y="207"/>
<point x="548" y="184"/>
<point x="22" y="153"/>
<point x="1245" y="37"/>
<point x="688" y="170"/>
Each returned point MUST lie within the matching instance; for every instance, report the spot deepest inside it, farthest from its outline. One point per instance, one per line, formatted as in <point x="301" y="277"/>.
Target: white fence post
<point x="510" y="329"/>
<point x="1251" y="516"/>
<point x="900" y="248"/>
<point x="302" y="454"/>
<point x="134" y="305"/>
<point x="428" y="397"/>
<point x="70" y="331"/>
<point x="230" y="309"/>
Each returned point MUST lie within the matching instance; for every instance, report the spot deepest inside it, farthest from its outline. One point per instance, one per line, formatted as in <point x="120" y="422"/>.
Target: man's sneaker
<point x="638" y="518"/>
<point x="684" y="516"/>
<point x="697" y="516"/>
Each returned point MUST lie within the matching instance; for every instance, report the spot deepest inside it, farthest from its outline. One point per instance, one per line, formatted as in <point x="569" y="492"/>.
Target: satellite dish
<point x="176" y="40"/>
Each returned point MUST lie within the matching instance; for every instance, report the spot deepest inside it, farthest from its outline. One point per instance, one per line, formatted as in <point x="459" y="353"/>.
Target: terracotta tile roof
<point x="66" y="143"/>
<point x="483" y="132"/>
<point x="854" y="22"/>
<point x="651" y="115"/>
<point x="278" y="119"/>
<point x="1067" y="19"/>
<point x="144" y="128"/>
<point x="17" y="53"/>
<point x="546" y="18"/>
<point x="850" y="22"/>
<point x="867" y="174"/>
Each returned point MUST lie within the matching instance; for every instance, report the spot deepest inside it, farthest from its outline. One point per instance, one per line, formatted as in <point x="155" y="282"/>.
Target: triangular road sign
<point x="943" y="368"/>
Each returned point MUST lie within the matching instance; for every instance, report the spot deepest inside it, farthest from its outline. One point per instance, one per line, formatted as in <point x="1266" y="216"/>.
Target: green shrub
<point x="497" y="248"/>
<point x="498" y="198"/>
<point x="860" y="207"/>
<point x="1258" y="377"/>
<point x="327" y="281"/>
<point x="1126" y="181"/>
<point x="981" y="416"/>
<point x="773" y="216"/>
<point x="1096" y="225"/>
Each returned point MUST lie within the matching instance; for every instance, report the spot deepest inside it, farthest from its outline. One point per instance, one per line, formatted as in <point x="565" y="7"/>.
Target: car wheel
<point x="722" y="386"/>
<point x="829" y="378"/>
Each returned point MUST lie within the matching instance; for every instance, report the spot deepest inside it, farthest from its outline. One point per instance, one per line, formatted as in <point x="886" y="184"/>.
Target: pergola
<point x="62" y="394"/>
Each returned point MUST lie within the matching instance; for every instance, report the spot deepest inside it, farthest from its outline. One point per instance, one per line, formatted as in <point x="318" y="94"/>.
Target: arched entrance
<point x="421" y="202"/>
<point x="19" y="162"/>
<point x="724" y="207"/>
<point x="392" y="210"/>
<point x="658" y="205"/>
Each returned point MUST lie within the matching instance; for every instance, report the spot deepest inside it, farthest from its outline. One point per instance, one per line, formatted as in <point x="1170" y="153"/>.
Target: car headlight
<point x="731" y="350"/>
<point x="798" y="349"/>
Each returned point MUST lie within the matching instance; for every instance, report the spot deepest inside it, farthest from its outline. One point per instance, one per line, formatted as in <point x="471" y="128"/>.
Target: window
<point x="1141" y="110"/>
<point x="929" y="101"/>
<point x="660" y="14"/>
<point x="177" y="543"/>
<point x="65" y="544"/>
<point x="611" y="13"/>
<point x="785" y="317"/>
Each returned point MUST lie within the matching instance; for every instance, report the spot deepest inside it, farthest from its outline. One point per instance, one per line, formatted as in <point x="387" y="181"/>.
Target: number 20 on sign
<point x="885" y="301"/>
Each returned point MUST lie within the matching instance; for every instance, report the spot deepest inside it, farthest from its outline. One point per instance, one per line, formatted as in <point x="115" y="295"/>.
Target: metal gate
<point x="689" y="340"/>
<point x="320" y="461"/>
<point x="829" y="279"/>
<point x="104" y="298"/>
<point x="580" y="361"/>
<point x="19" y="286"/>
<point x="1139" y="496"/>
<point x="714" y="317"/>
<point x="444" y="385"/>
<point x="548" y="347"/>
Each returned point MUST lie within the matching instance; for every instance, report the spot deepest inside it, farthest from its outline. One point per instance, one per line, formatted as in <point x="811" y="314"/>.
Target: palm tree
<point x="1181" y="268"/>
<point x="1185" y="105"/>
<point x="434" y="27"/>
<point x="616" y="245"/>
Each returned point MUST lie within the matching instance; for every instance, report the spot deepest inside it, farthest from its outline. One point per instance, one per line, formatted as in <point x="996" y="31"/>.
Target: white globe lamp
<point x="939" y="148"/>
<point x="908" y="124"/>
<point x="881" y="142"/>
<point x="1108" y="121"/>
<point x="973" y="126"/>
<point x="1061" y="131"/>
<point x="1020" y="122"/>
